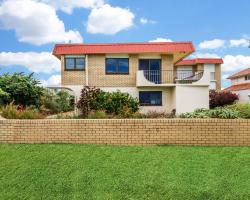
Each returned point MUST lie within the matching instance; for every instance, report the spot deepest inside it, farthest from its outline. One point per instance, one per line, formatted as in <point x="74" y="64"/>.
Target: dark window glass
<point x="110" y="66"/>
<point x="117" y="66"/>
<point x="74" y="63"/>
<point x="150" y="98"/>
<point x="69" y="63"/>
<point x="80" y="63"/>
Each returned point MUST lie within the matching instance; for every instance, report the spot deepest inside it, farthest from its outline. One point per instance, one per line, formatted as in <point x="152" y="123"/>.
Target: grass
<point x="108" y="172"/>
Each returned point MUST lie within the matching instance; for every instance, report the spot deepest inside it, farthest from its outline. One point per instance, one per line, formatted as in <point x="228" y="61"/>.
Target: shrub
<point x="155" y="114"/>
<point x="57" y="102"/>
<point x="219" y="99"/>
<point x="242" y="108"/>
<point x="4" y="97"/>
<point x="22" y="89"/>
<point x="118" y="103"/>
<point x="30" y="113"/>
<point x="97" y="115"/>
<point x="88" y="100"/>
<point x="12" y="111"/>
<point x="220" y="112"/>
<point x="224" y="113"/>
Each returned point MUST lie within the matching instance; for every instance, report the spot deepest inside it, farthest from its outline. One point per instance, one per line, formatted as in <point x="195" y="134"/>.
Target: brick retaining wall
<point x="202" y="132"/>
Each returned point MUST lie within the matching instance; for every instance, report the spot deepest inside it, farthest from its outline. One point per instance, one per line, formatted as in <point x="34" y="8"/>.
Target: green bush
<point x="4" y="97"/>
<point x="57" y="102"/>
<point x="97" y="115"/>
<point x="113" y="103"/>
<point x="22" y="89"/>
<point x="220" y="112"/>
<point x="118" y="103"/>
<point x="30" y="113"/>
<point x="242" y="108"/>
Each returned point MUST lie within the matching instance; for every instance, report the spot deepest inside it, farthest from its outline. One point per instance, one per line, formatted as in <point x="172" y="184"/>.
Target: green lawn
<point x="108" y="172"/>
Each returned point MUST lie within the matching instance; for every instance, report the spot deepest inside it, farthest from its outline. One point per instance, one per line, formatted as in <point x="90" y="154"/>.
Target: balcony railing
<point x="172" y="76"/>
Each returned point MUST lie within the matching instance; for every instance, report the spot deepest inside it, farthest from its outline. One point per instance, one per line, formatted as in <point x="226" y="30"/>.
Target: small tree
<point x="219" y="99"/>
<point x="22" y="89"/>
<point x="87" y="101"/>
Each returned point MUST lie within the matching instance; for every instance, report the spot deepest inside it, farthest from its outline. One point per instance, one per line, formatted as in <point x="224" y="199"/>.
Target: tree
<point x="22" y="89"/>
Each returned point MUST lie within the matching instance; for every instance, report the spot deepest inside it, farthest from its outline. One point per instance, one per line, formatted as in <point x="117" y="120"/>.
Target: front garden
<point x="22" y="97"/>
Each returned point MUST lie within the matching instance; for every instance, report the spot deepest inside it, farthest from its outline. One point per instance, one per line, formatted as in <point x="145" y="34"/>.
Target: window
<point x="117" y="66"/>
<point x="75" y="63"/>
<point x="150" y="98"/>
<point x="247" y="77"/>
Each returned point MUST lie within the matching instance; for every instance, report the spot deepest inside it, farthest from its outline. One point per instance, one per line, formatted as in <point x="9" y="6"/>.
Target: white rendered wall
<point x="239" y="80"/>
<point x="190" y="98"/>
<point x="243" y="95"/>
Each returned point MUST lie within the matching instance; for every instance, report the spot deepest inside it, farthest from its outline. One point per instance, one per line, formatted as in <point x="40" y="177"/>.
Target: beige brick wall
<point x="72" y="77"/>
<point x="98" y="77"/>
<point x="200" y="132"/>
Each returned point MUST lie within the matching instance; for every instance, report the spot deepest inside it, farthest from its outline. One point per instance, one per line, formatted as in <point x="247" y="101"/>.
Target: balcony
<point x="167" y="77"/>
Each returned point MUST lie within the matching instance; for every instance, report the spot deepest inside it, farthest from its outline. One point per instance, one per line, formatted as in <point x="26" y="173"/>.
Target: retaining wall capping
<point x="199" y="132"/>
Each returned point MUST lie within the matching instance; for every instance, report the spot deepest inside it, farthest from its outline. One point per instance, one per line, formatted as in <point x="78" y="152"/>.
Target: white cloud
<point x="36" y="62"/>
<point x="68" y="5"/>
<point x="212" y="44"/>
<point x="239" y="43"/>
<point x="109" y="20"/>
<point x="35" y="22"/>
<point x="147" y="21"/>
<point x="54" y="80"/>
<point x="234" y="64"/>
<point x="161" y="40"/>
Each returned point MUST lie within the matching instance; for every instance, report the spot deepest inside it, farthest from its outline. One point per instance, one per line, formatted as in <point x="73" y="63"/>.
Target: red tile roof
<point x="240" y="74"/>
<point x="200" y="61"/>
<point x="146" y="47"/>
<point x="241" y="86"/>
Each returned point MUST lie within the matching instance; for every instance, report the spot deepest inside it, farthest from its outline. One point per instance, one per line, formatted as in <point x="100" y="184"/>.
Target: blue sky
<point x="30" y="28"/>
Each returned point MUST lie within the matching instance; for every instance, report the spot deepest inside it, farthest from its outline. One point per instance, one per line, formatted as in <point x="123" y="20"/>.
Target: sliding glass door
<point x="152" y="69"/>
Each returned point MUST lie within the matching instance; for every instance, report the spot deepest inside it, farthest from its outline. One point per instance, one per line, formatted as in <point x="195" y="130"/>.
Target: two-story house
<point x="241" y="85"/>
<point x="155" y="73"/>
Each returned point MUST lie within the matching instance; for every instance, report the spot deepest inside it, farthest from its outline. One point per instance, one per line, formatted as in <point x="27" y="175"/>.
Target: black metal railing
<point x="172" y="76"/>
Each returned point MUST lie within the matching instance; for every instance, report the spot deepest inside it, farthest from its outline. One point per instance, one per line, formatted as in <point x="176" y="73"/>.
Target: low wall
<point x="204" y="132"/>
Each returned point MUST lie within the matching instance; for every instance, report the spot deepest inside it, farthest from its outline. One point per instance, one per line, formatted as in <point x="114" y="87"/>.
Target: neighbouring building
<point x="241" y="85"/>
<point x="155" y="73"/>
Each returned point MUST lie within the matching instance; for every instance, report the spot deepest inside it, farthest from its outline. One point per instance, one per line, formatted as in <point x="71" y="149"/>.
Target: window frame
<point x="75" y="69"/>
<point x="247" y="77"/>
<point x="117" y="66"/>
<point x="160" y="104"/>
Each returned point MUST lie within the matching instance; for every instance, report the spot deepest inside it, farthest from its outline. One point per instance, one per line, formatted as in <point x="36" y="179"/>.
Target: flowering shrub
<point x="219" y="99"/>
